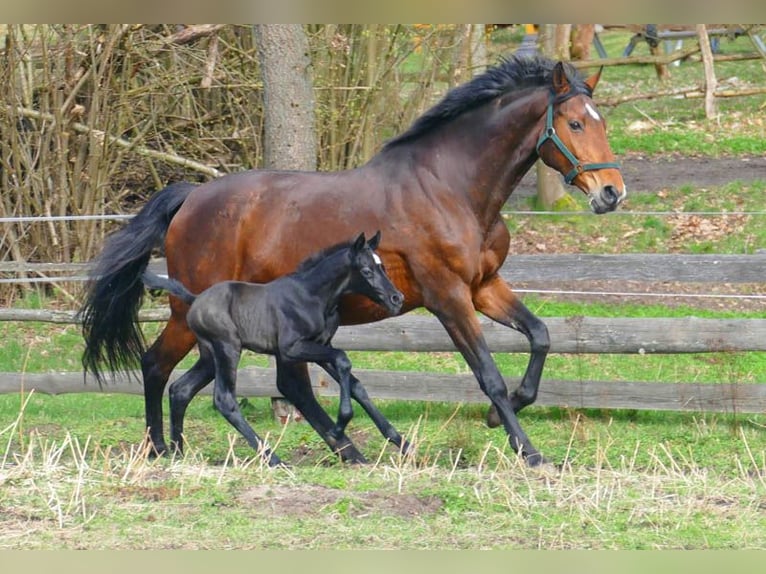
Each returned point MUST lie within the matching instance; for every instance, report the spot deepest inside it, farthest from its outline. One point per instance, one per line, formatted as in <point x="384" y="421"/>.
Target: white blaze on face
<point x="376" y="259"/>
<point x="592" y="111"/>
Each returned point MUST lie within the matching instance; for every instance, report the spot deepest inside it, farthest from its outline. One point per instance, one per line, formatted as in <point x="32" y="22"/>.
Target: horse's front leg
<point x="496" y="300"/>
<point x="459" y="319"/>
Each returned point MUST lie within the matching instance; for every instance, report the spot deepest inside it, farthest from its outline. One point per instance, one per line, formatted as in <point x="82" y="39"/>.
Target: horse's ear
<point x="359" y="242"/>
<point x="560" y="80"/>
<point x="374" y="241"/>
<point x="593" y="80"/>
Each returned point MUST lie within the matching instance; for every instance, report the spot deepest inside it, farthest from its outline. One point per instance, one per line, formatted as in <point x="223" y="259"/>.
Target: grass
<point x="636" y="229"/>
<point x="62" y="489"/>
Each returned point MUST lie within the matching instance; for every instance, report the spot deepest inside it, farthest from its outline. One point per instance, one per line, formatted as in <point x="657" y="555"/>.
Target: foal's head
<point x="368" y="277"/>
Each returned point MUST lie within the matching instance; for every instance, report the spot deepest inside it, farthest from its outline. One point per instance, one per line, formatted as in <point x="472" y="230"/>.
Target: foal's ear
<point x="374" y="241"/>
<point x="359" y="242"/>
<point x="560" y="80"/>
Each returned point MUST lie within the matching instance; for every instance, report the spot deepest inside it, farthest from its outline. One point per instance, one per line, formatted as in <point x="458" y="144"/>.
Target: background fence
<point x="115" y="119"/>
<point x="577" y="335"/>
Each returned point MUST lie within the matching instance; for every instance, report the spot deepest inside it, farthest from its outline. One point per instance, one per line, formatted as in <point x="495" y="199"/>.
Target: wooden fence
<point x="422" y="333"/>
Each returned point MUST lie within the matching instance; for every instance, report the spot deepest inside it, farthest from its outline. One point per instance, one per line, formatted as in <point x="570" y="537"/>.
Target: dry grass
<point x="74" y="493"/>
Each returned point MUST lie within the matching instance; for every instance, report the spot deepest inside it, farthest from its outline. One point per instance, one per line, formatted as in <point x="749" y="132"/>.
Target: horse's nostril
<point x="397" y="299"/>
<point x="610" y="194"/>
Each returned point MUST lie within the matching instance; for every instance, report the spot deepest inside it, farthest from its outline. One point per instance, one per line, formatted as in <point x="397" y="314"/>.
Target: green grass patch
<point x="725" y="226"/>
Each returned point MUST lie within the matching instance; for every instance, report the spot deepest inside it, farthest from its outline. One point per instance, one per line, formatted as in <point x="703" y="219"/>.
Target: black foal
<point x="293" y="318"/>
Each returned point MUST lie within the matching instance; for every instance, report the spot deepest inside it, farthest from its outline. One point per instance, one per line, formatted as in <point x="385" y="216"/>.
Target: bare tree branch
<point x="122" y="142"/>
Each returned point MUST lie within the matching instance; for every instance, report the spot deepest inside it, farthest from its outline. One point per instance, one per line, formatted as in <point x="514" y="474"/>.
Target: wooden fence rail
<point x="573" y="335"/>
<point x="723" y="397"/>
<point x="652" y="267"/>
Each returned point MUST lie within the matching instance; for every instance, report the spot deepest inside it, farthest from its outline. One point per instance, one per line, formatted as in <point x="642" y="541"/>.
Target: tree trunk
<point x="289" y="140"/>
<point x="554" y="43"/>
<point x="582" y="38"/>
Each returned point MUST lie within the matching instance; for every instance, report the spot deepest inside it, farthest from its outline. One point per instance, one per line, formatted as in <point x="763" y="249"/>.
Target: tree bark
<point x="554" y="42"/>
<point x="289" y="140"/>
<point x="582" y="38"/>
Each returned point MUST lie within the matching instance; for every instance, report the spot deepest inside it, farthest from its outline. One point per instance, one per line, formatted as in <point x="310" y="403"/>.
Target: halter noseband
<point x="577" y="168"/>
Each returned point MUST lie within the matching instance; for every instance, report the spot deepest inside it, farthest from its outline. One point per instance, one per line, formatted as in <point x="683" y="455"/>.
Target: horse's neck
<point x="328" y="278"/>
<point x="505" y="151"/>
<point x="482" y="155"/>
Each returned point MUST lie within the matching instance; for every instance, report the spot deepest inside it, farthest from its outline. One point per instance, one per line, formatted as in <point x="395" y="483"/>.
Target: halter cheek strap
<point x="549" y="133"/>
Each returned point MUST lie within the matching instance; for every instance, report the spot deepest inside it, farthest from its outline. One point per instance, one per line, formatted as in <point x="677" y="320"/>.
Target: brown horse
<point x="435" y="192"/>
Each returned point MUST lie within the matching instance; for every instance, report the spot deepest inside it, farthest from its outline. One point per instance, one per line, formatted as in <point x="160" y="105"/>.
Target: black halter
<point x="549" y="133"/>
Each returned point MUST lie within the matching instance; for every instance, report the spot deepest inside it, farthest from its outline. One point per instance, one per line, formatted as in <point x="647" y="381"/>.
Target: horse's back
<point x="258" y="225"/>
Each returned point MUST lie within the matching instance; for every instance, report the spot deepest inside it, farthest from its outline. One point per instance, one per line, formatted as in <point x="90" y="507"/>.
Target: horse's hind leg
<point x="294" y="383"/>
<point x="173" y="344"/>
<point x="225" y="399"/>
<point x="183" y="390"/>
<point x="498" y="302"/>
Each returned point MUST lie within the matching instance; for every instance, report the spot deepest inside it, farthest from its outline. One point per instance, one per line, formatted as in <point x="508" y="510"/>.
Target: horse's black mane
<point x="312" y="260"/>
<point x="510" y="74"/>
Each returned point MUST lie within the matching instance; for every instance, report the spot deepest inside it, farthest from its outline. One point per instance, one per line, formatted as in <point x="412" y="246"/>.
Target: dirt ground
<point x="652" y="175"/>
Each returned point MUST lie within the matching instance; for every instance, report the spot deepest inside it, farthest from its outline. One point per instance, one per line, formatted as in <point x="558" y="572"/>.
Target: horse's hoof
<point x="276" y="462"/>
<point x="538" y="462"/>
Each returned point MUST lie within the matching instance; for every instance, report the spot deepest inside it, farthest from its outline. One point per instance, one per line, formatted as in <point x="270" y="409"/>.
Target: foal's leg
<point x="498" y="302"/>
<point x="302" y="350"/>
<point x="459" y="319"/>
<point x="224" y="396"/>
<point x="294" y="383"/>
<point x="173" y="344"/>
<point x="359" y="394"/>
<point x="183" y="390"/>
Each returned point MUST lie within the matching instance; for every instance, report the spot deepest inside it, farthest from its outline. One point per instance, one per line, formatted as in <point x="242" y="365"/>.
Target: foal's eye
<point x="367" y="272"/>
<point x="575" y="126"/>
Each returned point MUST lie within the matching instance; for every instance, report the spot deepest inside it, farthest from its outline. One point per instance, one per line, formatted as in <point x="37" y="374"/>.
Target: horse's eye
<point x="575" y="126"/>
<point x="367" y="272"/>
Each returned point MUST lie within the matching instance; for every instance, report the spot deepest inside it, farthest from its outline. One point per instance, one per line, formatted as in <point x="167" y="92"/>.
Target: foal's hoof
<point x="493" y="419"/>
<point x="349" y="454"/>
<point x="157" y="450"/>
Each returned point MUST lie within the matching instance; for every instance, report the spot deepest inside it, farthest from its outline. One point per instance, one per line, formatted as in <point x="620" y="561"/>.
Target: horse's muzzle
<point x="394" y="303"/>
<point x="607" y="199"/>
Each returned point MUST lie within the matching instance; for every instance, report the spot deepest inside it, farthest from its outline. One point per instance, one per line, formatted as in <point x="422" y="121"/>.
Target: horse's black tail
<point x="153" y="281"/>
<point x="114" y="293"/>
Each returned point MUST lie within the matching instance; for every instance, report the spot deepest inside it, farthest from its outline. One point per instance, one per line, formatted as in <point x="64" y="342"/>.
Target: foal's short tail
<point x="153" y="281"/>
<point x="114" y="293"/>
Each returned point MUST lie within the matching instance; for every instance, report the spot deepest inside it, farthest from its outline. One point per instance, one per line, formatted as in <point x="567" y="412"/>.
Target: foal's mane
<point x="512" y="73"/>
<point x="312" y="260"/>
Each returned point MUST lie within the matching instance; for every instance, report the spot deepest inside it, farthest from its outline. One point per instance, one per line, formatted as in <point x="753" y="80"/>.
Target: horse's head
<point x="369" y="275"/>
<point x="574" y="142"/>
